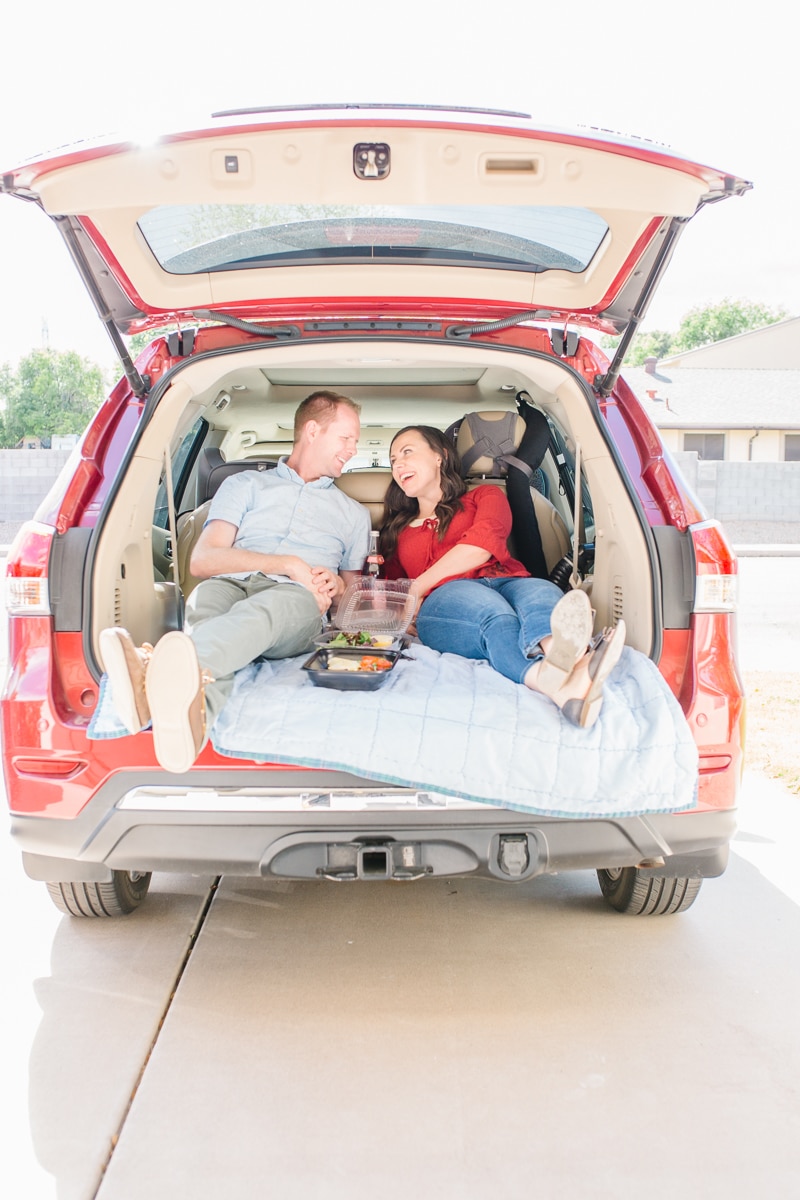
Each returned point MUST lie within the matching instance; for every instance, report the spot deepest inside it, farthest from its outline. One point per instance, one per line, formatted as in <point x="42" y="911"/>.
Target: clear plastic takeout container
<point x="380" y="606"/>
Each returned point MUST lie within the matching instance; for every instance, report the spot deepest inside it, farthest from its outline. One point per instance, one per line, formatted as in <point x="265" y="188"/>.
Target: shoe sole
<point x="175" y="696"/>
<point x="571" y="629"/>
<point x="123" y="667"/>
<point x="600" y="666"/>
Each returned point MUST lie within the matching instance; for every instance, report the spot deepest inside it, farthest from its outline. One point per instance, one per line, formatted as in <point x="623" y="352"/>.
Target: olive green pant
<point x="234" y="621"/>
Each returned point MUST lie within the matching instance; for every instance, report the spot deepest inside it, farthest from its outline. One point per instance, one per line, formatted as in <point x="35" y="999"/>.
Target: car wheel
<point x="630" y="890"/>
<point x="120" y="896"/>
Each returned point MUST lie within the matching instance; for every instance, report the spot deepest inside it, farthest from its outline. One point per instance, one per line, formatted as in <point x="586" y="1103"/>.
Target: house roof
<point x="722" y="398"/>
<point x="769" y="347"/>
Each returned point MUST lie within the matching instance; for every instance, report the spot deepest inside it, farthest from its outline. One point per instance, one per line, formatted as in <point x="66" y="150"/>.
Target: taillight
<point x="716" y="580"/>
<point x="26" y="570"/>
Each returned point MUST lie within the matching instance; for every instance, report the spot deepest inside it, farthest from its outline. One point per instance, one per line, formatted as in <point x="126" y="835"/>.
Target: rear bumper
<point x="346" y="830"/>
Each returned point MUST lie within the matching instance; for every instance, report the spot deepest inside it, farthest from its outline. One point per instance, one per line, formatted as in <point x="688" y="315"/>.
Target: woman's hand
<point x="419" y="596"/>
<point x="459" y="560"/>
<point x="326" y="586"/>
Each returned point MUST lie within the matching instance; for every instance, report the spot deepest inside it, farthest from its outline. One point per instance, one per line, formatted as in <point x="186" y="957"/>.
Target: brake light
<point x="26" y="570"/>
<point x="716" y="579"/>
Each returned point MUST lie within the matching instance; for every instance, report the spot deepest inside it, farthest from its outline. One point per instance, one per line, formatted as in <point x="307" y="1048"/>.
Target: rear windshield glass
<point x="187" y="239"/>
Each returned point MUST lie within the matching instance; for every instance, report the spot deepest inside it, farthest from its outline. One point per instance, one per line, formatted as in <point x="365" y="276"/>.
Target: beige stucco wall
<point x="672" y="439"/>
<point x="766" y="444"/>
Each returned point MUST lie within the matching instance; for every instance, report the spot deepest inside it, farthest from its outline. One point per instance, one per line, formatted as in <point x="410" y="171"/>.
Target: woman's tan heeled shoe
<point x="585" y="710"/>
<point x="571" y="630"/>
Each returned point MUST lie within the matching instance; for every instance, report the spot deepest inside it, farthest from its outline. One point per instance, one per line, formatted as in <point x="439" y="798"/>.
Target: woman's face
<point x="415" y="465"/>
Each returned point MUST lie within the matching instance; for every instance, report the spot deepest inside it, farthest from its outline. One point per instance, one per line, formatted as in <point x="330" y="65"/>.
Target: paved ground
<point x="455" y="1038"/>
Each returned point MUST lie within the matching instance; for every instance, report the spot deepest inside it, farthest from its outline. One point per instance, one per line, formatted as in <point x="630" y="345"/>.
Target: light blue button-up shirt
<point x="277" y="512"/>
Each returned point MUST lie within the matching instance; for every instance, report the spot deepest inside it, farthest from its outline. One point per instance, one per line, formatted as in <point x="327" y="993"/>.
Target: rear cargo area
<point x="238" y="407"/>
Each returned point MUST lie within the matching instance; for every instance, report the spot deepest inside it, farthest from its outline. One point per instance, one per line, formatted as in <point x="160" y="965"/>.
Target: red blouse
<point x="484" y="520"/>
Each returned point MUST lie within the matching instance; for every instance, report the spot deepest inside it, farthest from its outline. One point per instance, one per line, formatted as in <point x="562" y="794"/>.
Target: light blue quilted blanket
<point x="450" y="724"/>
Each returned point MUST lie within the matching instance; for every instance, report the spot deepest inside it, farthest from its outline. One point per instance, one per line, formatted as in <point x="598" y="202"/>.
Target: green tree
<point x="51" y="392"/>
<point x="643" y="345"/>
<point x="699" y="327"/>
<point x="714" y="322"/>
<point x="139" y="341"/>
<point x="5" y="393"/>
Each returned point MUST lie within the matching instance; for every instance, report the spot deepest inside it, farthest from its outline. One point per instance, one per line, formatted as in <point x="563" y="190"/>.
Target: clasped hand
<point x="324" y="584"/>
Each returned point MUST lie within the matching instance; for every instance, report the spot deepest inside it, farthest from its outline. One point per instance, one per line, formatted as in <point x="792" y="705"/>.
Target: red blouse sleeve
<point x="491" y="521"/>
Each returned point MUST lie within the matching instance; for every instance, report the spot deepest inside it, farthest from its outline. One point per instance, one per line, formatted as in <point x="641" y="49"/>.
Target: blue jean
<point x="499" y="619"/>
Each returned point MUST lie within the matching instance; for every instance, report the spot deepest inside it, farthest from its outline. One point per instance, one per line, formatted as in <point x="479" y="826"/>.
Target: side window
<point x="181" y="466"/>
<point x="565" y="462"/>
<point x="791" y="447"/>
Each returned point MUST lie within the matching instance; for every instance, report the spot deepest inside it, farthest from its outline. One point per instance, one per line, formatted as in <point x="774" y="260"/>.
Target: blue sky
<point x="714" y="85"/>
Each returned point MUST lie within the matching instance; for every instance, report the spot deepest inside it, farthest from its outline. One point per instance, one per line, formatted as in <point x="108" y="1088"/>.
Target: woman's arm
<point x="484" y="538"/>
<point x="458" y="561"/>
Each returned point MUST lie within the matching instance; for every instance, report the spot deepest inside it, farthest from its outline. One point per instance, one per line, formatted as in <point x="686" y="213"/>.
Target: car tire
<point x="642" y="894"/>
<point x="121" y="895"/>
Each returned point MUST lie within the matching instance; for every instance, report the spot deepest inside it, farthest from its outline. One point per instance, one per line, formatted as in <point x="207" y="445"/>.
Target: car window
<point x="181" y="466"/>
<point x="187" y="239"/>
<point x="565" y="462"/>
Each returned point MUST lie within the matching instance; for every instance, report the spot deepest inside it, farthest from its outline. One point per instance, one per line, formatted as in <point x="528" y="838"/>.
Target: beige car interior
<point x="249" y="397"/>
<point x="368" y="486"/>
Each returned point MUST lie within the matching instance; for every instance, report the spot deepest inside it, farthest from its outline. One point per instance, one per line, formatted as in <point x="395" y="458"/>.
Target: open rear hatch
<point x="295" y="214"/>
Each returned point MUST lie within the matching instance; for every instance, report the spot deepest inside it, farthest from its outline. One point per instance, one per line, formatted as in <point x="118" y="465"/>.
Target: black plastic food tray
<point x="348" y="681"/>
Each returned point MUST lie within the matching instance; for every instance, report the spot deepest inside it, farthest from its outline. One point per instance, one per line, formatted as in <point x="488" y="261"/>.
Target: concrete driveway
<point x="452" y="1038"/>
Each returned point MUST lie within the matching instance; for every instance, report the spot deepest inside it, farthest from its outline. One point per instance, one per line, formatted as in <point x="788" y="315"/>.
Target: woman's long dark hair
<point x="399" y="509"/>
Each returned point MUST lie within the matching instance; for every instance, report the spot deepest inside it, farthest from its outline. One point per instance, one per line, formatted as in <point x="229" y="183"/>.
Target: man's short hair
<point x="322" y="408"/>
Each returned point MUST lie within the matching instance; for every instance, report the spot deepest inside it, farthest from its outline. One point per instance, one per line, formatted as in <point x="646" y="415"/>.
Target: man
<point x="278" y="548"/>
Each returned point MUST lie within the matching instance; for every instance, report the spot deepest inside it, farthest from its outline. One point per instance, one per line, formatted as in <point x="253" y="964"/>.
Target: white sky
<point x="715" y="82"/>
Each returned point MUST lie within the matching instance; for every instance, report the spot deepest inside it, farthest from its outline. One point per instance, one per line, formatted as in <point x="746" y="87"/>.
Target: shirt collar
<point x="286" y="472"/>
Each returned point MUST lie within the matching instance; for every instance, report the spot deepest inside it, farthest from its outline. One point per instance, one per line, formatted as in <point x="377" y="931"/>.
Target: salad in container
<point x="369" y="634"/>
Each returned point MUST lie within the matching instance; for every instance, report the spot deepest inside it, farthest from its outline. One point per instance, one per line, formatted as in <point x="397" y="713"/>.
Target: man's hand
<point x="328" y="583"/>
<point x="215" y="554"/>
<point x="321" y="582"/>
<point x="296" y="569"/>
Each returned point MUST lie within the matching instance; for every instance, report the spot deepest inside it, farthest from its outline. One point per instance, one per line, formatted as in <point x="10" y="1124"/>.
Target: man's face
<point x="336" y="443"/>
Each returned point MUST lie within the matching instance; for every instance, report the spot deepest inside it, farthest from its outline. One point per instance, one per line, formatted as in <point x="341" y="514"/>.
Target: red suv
<point x="430" y="264"/>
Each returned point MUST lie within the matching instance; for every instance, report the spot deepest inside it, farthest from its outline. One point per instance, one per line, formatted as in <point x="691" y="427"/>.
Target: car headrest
<point x="212" y="469"/>
<point x="368" y="487"/>
<point x="483" y="437"/>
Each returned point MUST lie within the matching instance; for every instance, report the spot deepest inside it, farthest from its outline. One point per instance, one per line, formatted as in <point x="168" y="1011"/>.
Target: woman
<point x="473" y="598"/>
